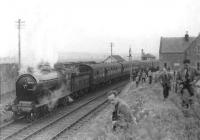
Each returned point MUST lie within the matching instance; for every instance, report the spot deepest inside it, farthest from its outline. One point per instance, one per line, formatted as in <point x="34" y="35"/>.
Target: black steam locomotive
<point x="39" y="92"/>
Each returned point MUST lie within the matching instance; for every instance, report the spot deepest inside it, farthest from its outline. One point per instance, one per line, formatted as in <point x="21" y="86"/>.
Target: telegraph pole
<point x="111" y="45"/>
<point x="19" y="24"/>
<point x="130" y="60"/>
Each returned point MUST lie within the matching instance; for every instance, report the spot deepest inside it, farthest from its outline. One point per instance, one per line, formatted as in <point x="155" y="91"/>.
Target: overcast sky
<point x="53" y="26"/>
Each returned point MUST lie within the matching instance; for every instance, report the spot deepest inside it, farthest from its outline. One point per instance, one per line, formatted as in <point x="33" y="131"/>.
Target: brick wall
<point x="193" y="53"/>
<point x="8" y="75"/>
<point x="173" y="60"/>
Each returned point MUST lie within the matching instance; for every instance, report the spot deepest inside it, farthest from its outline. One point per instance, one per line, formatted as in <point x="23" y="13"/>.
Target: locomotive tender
<point x="36" y="93"/>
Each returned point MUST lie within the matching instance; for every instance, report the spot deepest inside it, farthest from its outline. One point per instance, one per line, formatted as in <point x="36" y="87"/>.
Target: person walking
<point x="186" y="79"/>
<point x="144" y="75"/>
<point x="175" y="86"/>
<point x="150" y="75"/>
<point x="140" y="75"/>
<point x="165" y="80"/>
<point x="137" y="80"/>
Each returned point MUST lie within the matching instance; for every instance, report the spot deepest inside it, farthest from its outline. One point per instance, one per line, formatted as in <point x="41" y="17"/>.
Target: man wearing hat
<point x="186" y="78"/>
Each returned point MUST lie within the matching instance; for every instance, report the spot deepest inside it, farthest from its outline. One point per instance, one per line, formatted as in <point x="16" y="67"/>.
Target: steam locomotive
<point x="39" y="92"/>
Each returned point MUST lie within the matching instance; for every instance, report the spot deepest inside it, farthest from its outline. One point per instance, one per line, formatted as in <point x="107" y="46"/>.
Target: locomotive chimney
<point x="186" y="36"/>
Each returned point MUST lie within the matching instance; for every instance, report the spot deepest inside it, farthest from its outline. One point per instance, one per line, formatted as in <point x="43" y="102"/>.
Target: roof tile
<point x="174" y="44"/>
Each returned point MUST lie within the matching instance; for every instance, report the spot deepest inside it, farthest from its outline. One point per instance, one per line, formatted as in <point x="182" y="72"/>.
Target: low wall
<point x="8" y="76"/>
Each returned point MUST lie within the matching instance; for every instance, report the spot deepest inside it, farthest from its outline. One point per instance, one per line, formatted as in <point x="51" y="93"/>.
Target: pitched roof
<point x="194" y="42"/>
<point x="117" y="57"/>
<point x="174" y="44"/>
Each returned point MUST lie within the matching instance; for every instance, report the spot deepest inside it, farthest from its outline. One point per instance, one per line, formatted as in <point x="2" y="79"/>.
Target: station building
<point x="173" y="50"/>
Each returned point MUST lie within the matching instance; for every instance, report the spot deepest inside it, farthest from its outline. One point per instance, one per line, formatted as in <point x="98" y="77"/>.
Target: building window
<point x="198" y="65"/>
<point x="165" y="65"/>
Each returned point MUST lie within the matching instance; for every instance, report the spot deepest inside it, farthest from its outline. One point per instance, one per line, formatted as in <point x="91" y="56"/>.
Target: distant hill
<point x="73" y="57"/>
<point x="84" y="56"/>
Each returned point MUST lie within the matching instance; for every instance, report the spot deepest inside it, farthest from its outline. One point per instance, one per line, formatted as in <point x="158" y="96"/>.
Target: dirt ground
<point x="156" y="119"/>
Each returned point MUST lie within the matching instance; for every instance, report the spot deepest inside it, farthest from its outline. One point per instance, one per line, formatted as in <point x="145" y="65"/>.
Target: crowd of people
<point x="142" y="76"/>
<point x="181" y="81"/>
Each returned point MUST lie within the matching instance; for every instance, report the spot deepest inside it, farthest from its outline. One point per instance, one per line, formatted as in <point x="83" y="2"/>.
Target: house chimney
<point x="186" y="36"/>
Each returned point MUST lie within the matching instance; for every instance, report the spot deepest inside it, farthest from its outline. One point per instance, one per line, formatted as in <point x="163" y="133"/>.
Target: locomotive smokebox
<point x="30" y="87"/>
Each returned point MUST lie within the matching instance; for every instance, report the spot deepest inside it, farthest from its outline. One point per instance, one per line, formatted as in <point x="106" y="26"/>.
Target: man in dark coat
<point x="122" y="116"/>
<point x="150" y="75"/>
<point x="165" y="80"/>
<point x="186" y="78"/>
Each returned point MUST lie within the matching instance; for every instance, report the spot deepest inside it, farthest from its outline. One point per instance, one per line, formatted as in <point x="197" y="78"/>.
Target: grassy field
<point x="157" y="120"/>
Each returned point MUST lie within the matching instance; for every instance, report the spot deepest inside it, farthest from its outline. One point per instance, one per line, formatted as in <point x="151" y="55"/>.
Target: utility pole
<point x="130" y="60"/>
<point x="111" y="45"/>
<point x="19" y="24"/>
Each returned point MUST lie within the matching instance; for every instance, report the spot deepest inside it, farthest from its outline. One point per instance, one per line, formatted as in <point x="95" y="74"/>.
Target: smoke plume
<point x="52" y="99"/>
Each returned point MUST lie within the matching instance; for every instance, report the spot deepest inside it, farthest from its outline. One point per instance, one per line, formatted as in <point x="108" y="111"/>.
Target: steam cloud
<point x="55" y="95"/>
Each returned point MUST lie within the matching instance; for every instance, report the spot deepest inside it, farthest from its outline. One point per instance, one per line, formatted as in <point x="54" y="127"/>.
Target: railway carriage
<point x="126" y="67"/>
<point x="103" y="73"/>
<point x="114" y="71"/>
<point x="98" y="74"/>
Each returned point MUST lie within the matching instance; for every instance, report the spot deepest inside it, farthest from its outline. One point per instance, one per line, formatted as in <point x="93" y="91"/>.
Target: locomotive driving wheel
<point x="30" y="117"/>
<point x="65" y="101"/>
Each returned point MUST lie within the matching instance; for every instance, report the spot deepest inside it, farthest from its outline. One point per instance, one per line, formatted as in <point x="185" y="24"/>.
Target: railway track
<point x="59" y="126"/>
<point x="21" y="130"/>
<point x="60" y="133"/>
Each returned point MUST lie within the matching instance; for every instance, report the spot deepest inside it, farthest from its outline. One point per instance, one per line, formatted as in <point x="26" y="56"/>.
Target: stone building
<point x="193" y="53"/>
<point x="172" y="50"/>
